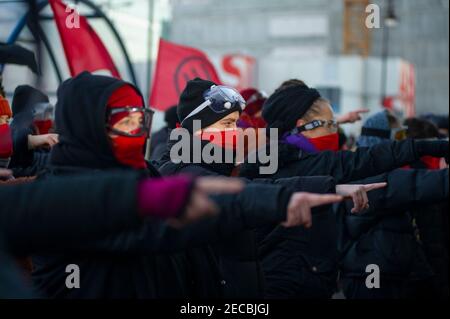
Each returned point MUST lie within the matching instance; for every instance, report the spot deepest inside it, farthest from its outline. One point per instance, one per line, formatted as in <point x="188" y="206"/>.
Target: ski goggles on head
<point x="396" y="134"/>
<point x="331" y="124"/>
<point x="129" y="121"/>
<point x="43" y="111"/>
<point x="219" y="99"/>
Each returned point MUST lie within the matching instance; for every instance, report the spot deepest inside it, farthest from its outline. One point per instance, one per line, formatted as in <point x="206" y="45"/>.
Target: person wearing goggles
<point x="217" y="109"/>
<point x="128" y="124"/>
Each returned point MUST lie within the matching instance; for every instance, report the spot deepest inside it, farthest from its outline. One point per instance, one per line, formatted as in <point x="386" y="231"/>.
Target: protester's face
<point x="4" y="119"/>
<point x="325" y="114"/>
<point x="128" y="124"/>
<point x="226" y="123"/>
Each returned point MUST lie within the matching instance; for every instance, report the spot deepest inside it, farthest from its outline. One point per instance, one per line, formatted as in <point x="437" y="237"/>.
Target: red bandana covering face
<point x="43" y="126"/>
<point x="127" y="150"/>
<point x="326" y="142"/>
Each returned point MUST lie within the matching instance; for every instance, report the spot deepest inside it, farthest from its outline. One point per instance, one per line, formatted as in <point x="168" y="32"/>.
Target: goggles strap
<point x="197" y="110"/>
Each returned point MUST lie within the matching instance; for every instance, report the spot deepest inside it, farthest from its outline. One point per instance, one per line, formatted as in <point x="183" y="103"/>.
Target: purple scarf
<point x="300" y="142"/>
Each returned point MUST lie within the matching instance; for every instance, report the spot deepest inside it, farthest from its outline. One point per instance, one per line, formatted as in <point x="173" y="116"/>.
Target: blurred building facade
<point x="288" y="36"/>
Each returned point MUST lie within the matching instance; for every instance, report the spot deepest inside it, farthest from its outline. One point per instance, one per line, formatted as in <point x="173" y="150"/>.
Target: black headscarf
<point x="283" y="108"/>
<point x="80" y="115"/>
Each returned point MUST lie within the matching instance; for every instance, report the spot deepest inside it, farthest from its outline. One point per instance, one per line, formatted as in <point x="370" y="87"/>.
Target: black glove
<point x="435" y="148"/>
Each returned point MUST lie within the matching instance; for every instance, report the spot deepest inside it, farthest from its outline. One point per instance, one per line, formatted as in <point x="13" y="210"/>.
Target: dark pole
<point x="150" y="47"/>
<point x="389" y="21"/>
<point x="34" y="24"/>
<point x="151" y="16"/>
<point x="385" y="54"/>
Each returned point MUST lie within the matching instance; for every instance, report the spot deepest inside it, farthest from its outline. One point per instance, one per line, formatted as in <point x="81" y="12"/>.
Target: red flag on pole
<point x="175" y="66"/>
<point x="84" y="49"/>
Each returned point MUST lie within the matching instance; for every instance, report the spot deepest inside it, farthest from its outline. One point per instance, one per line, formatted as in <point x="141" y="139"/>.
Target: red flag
<point x="84" y="49"/>
<point x="175" y="66"/>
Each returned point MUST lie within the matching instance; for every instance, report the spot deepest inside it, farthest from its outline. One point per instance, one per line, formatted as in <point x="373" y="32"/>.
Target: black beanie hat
<point x="25" y="97"/>
<point x="283" y="108"/>
<point x="191" y="98"/>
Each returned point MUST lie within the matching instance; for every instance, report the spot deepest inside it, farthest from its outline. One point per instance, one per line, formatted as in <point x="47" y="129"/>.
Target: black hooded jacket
<point x="107" y="271"/>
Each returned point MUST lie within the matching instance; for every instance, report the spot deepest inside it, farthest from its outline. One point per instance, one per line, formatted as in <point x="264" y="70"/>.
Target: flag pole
<point x="151" y="16"/>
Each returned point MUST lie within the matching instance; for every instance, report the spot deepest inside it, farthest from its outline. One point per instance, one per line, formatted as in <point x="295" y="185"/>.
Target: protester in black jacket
<point x="432" y="220"/>
<point x="30" y="147"/>
<point x="101" y="125"/>
<point x="308" y="144"/>
<point x="384" y="234"/>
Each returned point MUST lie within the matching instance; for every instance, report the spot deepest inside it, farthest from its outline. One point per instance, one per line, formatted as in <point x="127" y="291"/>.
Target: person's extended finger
<point x="212" y="185"/>
<point x="292" y="215"/>
<point x="318" y="199"/>
<point x="306" y="216"/>
<point x="359" y="111"/>
<point x="371" y="187"/>
<point x="357" y="202"/>
<point x="365" y="199"/>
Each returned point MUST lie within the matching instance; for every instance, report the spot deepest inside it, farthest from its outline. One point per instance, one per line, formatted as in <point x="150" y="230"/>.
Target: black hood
<point x="80" y="115"/>
<point x="25" y="97"/>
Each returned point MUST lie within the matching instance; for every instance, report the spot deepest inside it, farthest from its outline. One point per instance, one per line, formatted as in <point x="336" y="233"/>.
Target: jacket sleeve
<point x="347" y="166"/>
<point x="408" y="188"/>
<point x="39" y="162"/>
<point x="257" y="205"/>
<point x="22" y="156"/>
<point x="310" y="184"/>
<point x="57" y="212"/>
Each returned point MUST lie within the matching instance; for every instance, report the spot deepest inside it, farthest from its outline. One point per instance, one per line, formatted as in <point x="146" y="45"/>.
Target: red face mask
<point x="6" y="144"/>
<point x="129" y="150"/>
<point x="43" y="126"/>
<point x="326" y="143"/>
<point x="226" y="139"/>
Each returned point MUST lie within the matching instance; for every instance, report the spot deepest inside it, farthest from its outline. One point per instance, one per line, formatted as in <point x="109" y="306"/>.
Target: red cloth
<point x="326" y="143"/>
<point x="431" y="162"/>
<point x="175" y="66"/>
<point x="6" y="143"/>
<point x="5" y="109"/>
<point x="164" y="197"/>
<point x="123" y="96"/>
<point x="84" y="49"/>
<point x="254" y="99"/>
<point x="43" y="126"/>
